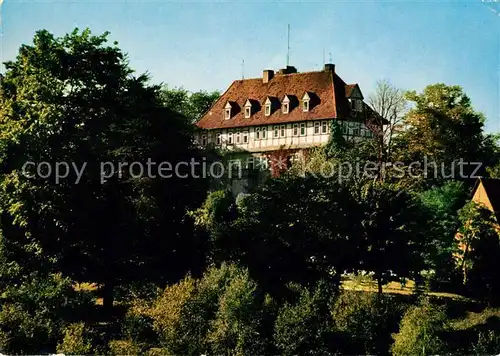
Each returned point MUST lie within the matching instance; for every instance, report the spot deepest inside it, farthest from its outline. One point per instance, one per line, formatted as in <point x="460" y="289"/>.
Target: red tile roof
<point x="327" y="88"/>
<point x="349" y="88"/>
<point x="492" y="188"/>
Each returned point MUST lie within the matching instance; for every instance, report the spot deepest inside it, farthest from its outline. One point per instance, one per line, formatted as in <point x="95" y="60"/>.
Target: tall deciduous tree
<point x="390" y="224"/>
<point x="442" y="204"/>
<point x="191" y="105"/>
<point x="290" y="229"/>
<point x="478" y="249"/>
<point x="444" y="127"/>
<point x="74" y="103"/>
<point x="390" y="103"/>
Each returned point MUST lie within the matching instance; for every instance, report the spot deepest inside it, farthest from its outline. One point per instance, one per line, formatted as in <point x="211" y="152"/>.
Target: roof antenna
<point x="330" y="54"/>
<point x="242" y="69"/>
<point x="288" y="51"/>
<point x="323" y="55"/>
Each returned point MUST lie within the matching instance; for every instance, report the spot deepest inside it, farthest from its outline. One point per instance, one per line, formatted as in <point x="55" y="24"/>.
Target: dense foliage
<point x="74" y="103"/>
<point x="119" y="261"/>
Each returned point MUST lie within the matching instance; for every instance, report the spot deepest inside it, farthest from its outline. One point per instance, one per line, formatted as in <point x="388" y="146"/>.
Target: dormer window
<point x="248" y="109"/>
<point x="267" y="107"/>
<point x="285" y="106"/>
<point x="353" y="93"/>
<point x="305" y="102"/>
<point x="227" y="111"/>
<point x="356" y="104"/>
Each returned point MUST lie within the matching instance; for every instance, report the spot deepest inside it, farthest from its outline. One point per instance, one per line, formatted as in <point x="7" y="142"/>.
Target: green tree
<point x="214" y="220"/>
<point x="442" y="204"/>
<point x="390" y="225"/>
<point x="190" y="104"/>
<point x="444" y="127"/>
<point x="76" y="340"/>
<point x="494" y="172"/>
<point x="365" y="322"/>
<point x="478" y="250"/>
<point x="305" y="326"/>
<point x="224" y="312"/>
<point x="74" y="102"/>
<point x="294" y="229"/>
<point x="35" y="305"/>
<point x="421" y="331"/>
<point x="201" y="101"/>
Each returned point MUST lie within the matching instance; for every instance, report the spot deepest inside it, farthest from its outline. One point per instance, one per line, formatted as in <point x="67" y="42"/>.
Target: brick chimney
<point x="267" y="75"/>
<point x="288" y="70"/>
<point x="329" y="67"/>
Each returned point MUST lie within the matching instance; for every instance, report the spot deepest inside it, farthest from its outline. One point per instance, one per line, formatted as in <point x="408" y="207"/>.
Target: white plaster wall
<point x="271" y="142"/>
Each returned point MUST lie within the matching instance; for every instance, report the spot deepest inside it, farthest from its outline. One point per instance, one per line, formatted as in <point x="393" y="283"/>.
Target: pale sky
<point x="201" y="44"/>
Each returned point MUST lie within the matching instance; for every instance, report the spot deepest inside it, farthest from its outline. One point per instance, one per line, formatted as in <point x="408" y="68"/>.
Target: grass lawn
<point x="369" y="285"/>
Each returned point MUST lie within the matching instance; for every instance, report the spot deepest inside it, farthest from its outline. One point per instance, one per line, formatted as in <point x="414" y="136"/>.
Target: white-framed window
<point x="218" y="138"/>
<point x="238" y="137"/>
<point x="267" y="109"/>
<point x="305" y="102"/>
<point x="230" y="138"/>
<point x="316" y="127"/>
<point x="245" y="136"/>
<point x="305" y="105"/>
<point x="295" y="129"/>
<point x="285" y="108"/>
<point x="302" y="129"/>
<point x="263" y="132"/>
<point x="282" y="131"/>
<point x="324" y="127"/>
<point x="203" y="140"/>
<point x="248" y="109"/>
<point x="276" y="131"/>
<point x="257" y="133"/>
<point x="227" y="114"/>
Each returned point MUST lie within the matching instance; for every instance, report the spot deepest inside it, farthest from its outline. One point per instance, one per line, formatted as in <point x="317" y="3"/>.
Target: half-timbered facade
<point x="286" y="109"/>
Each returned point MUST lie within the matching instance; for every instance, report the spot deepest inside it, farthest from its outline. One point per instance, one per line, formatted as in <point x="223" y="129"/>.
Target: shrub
<point x="156" y="351"/>
<point x="420" y="331"/>
<point x="366" y="321"/>
<point x="76" y="340"/>
<point x="124" y="347"/>
<point x="222" y="311"/>
<point x="138" y="324"/>
<point x="174" y="322"/>
<point x="238" y="321"/>
<point x="305" y="327"/>
<point x="133" y="291"/>
<point x="488" y="343"/>
<point x="35" y="311"/>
